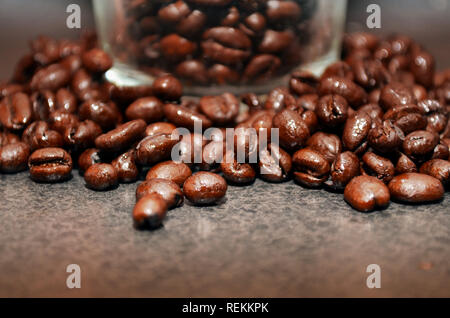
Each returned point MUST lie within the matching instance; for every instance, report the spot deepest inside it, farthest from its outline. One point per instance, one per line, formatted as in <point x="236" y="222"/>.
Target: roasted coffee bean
<point x="303" y="82"/>
<point x="274" y="42"/>
<point x="189" y="149"/>
<point x="101" y="176"/>
<point x="253" y="24"/>
<point x="441" y="151"/>
<point x="237" y="173"/>
<point x="66" y="101"/>
<point x="104" y="114"/>
<point x="404" y="165"/>
<point x="245" y="144"/>
<point x="311" y="169"/>
<point x="308" y="101"/>
<point x="328" y="145"/>
<point x="167" y="88"/>
<point x="193" y="71"/>
<point x="416" y="188"/>
<point x="125" y="165"/>
<point x="351" y="92"/>
<point x="374" y="111"/>
<point x="366" y="193"/>
<point x="159" y="127"/>
<point x="50" y="165"/>
<point x="339" y="69"/>
<point x="10" y="89"/>
<point x="360" y="40"/>
<point x="81" y="136"/>
<point x="332" y="110"/>
<point x="378" y="166"/>
<point x="60" y="120"/>
<point x="436" y="122"/>
<point x="7" y="138"/>
<point x="282" y="11"/>
<point x="222" y="74"/>
<point x="396" y="94"/>
<point x="176" y="48"/>
<point x="438" y="168"/>
<point x="43" y="104"/>
<point x="14" y="157"/>
<point x="422" y="67"/>
<point x="419" y="144"/>
<point x="39" y="135"/>
<point x="97" y="61"/>
<point x="173" y="12"/>
<point x="205" y="188"/>
<point x="185" y="117"/>
<point x="45" y="50"/>
<point x="386" y="137"/>
<point x="154" y="149"/>
<point x="344" y="169"/>
<point x="51" y="77"/>
<point x="81" y="82"/>
<point x="407" y="117"/>
<point x="275" y="164"/>
<point x="149" y="212"/>
<point x="293" y="131"/>
<point x="168" y="190"/>
<point x="177" y="172"/>
<point x="263" y="124"/>
<point x="121" y="137"/>
<point x="212" y="156"/>
<point x="261" y="68"/>
<point x="15" y="111"/>
<point x="226" y="45"/>
<point x="370" y="73"/>
<point x="278" y="99"/>
<point x="356" y="131"/>
<point x="221" y="109"/>
<point x="88" y="158"/>
<point x="128" y="94"/>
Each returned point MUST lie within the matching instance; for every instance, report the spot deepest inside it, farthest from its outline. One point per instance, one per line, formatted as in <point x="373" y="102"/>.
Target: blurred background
<point x="427" y="21"/>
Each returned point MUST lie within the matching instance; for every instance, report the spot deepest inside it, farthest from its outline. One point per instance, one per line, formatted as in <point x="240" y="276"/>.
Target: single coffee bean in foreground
<point x="205" y="188"/>
<point x="416" y="188"/>
<point x="177" y="172"/>
<point x="168" y="190"/>
<point x="149" y="212"/>
<point x="49" y="165"/>
<point x="101" y="176"/>
<point x="366" y="193"/>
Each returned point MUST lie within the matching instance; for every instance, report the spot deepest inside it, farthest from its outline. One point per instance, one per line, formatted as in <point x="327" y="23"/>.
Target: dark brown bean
<point x="15" y="111"/>
<point x="378" y="166"/>
<point x="154" y="149"/>
<point x="125" y="165"/>
<point x="438" y="168"/>
<point x="237" y="173"/>
<point x="104" y="114"/>
<point x="14" y="157"/>
<point x="168" y="190"/>
<point x="88" y="158"/>
<point x="51" y="77"/>
<point x="221" y="109"/>
<point x="396" y="94"/>
<point x="185" y="117"/>
<point x="275" y="164"/>
<point x="39" y="135"/>
<point x="167" y="88"/>
<point x="404" y="165"/>
<point x="344" y="169"/>
<point x="146" y="108"/>
<point x="356" y="130"/>
<point x="386" y="137"/>
<point x="177" y="172"/>
<point x="416" y="188"/>
<point x="97" y="61"/>
<point x="332" y="110"/>
<point x="205" y="188"/>
<point x="366" y="193"/>
<point x="101" y="176"/>
<point x="122" y="137"/>
<point x="353" y="93"/>
<point x="311" y="169"/>
<point x="419" y="144"/>
<point x="293" y="131"/>
<point x="50" y="165"/>
<point x="278" y="99"/>
<point x="81" y="136"/>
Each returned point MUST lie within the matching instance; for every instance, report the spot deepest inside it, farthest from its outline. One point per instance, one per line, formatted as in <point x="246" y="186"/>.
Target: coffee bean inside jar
<point x="205" y="43"/>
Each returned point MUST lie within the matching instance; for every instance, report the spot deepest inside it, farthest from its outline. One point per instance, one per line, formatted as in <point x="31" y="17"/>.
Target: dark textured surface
<point x="265" y="240"/>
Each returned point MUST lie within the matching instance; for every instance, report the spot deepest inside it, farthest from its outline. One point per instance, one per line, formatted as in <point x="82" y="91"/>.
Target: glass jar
<point x="215" y="46"/>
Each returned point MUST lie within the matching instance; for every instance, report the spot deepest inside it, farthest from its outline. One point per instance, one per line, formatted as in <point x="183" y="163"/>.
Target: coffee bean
<point x="88" y="158"/>
<point x="351" y="92"/>
<point x="7" y="138"/>
<point x="154" y="149"/>
<point x="121" y="137"/>
<point x="97" y="61"/>
<point x="159" y="127"/>
<point x="15" y="111"/>
<point x="356" y="131"/>
<point x="438" y="168"/>
<point x="222" y="74"/>
<point x="168" y="190"/>
<point x="416" y="188"/>
<point x="226" y="45"/>
<point x="193" y="71"/>
<point x="419" y="144"/>
<point x="344" y="169"/>
<point x="303" y="82"/>
<point x="101" y="176"/>
<point x="311" y="169"/>
<point x="176" y="48"/>
<point x="293" y="131"/>
<point x="149" y="212"/>
<point x="50" y="165"/>
<point x="328" y="145"/>
<point x="43" y="103"/>
<point x="274" y="42"/>
<point x="170" y="170"/>
<point x="404" y="165"/>
<point x="332" y="110"/>
<point x="237" y="173"/>
<point x="280" y="11"/>
<point x="212" y="156"/>
<point x="407" y="117"/>
<point x="146" y="108"/>
<point x="51" y="77"/>
<point x="278" y="99"/>
<point x="261" y="68"/>
<point x="185" y="117"/>
<point x="205" y="188"/>
<point x="275" y="164"/>
<point x="386" y="137"/>
<point x="81" y="136"/>
<point x="366" y="193"/>
<point x="378" y="166"/>
<point x="423" y="67"/>
<point x="14" y="157"/>
<point x="441" y="151"/>
<point x="125" y="165"/>
<point x="396" y="94"/>
<point x="39" y="135"/>
<point x="104" y="114"/>
<point x="221" y="109"/>
<point x="60" y="121"/>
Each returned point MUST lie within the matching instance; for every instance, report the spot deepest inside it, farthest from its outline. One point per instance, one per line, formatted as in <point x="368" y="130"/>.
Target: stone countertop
<point x="267" y="240"/>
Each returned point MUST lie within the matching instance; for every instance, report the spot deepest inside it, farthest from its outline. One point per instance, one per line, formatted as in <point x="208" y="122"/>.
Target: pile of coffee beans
<point x="220" y="41"/>
<point x="374" y="126"/>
